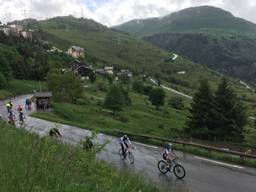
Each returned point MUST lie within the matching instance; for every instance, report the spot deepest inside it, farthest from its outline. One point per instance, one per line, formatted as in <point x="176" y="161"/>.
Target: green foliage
<point x="115" y="99"/>
<point x="250" y="136"/>
<point x="229" y="117"/>
<point x="138" y="86"/>
<point x="157" y="96"/>
<point x="3" y="82"/>
<point x="5" y="68"/>
<point x="110" y="79"/>
<point x="92" y="77"/>
<point x="176" y="102"/>
<point x="22" y="59"/>
<point x="102" y="86"/>
<point x="31" y="163"/>
<point x="65" y="87"/>
<point x="220" y="116"/>
<point x="200" y="118"/>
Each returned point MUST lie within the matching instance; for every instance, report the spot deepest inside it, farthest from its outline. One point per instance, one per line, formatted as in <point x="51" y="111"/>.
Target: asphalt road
<point x="203" y="175"/>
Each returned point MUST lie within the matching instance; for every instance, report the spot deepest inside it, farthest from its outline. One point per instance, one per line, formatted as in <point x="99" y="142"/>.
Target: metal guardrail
<point x="184" y="143"/>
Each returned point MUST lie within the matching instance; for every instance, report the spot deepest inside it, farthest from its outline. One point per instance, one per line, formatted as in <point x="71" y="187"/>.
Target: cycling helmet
<point x="125" y="137"/>
<point x="168" y="146"/>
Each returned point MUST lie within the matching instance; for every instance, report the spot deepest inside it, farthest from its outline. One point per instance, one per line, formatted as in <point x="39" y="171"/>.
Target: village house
<point x="101" y="71"/>
<point x="109" y="70"/>
<point x="73" y="65"/>
<point x="80" y="69"/>
<point x="76" y="51"/>
<point x="84" y="71"/>
<point x="125" y="73"/>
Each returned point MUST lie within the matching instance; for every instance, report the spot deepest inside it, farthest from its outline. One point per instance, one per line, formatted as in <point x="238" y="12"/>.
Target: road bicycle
<point x="128" y="153"/>
<point x="172" y="166"/>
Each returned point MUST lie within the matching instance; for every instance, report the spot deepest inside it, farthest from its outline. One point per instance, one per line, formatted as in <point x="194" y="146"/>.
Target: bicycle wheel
<point x="162" y="166"/>
<point x="121" y="153"/>
<point x="179" y="171"/>
<point x="131" y="158"/>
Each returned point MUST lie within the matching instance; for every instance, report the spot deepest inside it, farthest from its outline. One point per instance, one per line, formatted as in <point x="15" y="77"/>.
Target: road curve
<point x="203" y="175"/>
<point x="172" y="90"/>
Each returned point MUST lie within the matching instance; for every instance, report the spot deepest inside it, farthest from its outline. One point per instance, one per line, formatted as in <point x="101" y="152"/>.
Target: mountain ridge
<point x="194" y="19"/>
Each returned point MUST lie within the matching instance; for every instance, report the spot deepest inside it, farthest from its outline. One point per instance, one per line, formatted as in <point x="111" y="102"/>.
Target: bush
<point x="156" y="97"/>
<point x="3" y="81"/>
<point x="102" y="86"/>
<point x="250" y="136"/>
<point x="65" y="87"/>
<point x="147" y="89"/>
<point x="138" y="86"/>
<point x="122" y="118"/>
<point x="176" y="102"/>
<point x="114" y="99"/>
<point x="82" y="101"/>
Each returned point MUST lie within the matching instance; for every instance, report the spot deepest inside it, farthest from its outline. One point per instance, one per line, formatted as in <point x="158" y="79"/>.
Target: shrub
<point x="102" y="86"/>
<point x="114" y="99"/>
<point x="156" y="97"/>
<point x="3" y="81"/>
<point x="138" y="86"/>
<point x="147" y="89"/>
<point x="176" y="102"/>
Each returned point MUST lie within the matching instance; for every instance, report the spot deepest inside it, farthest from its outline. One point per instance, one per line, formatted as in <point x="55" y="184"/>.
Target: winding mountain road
<point x="203" y="175"/>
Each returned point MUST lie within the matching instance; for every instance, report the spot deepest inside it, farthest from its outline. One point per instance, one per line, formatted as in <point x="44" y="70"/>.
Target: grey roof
<point x="43" y="94"/>
<point x="79" y="49"/>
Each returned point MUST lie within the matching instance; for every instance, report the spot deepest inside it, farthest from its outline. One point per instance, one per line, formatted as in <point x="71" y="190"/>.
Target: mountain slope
<point x="231" y="55"/>
<point x="109" y="47"/>
<point x="195" y="19"/>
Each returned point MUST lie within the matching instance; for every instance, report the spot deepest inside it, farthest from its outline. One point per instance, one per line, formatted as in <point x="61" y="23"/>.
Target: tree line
<point x="216" y="115"/>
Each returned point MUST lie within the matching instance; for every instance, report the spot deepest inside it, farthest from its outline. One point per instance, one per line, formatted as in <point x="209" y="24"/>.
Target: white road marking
<point x="150" y="146"/>
<point x="219" y="163"/>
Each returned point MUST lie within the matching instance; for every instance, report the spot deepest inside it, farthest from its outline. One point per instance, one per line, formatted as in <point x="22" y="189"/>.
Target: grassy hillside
<point x="140" y="117"/>
<point x="30" y="163"/>
<point x="108" y="46"/>
<point x="195" y="19"/>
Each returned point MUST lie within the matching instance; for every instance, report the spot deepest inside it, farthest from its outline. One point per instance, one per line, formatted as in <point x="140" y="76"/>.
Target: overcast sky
<point x="113" y="12"/>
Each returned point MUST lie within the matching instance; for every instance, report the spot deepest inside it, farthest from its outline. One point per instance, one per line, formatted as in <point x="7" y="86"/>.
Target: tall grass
<point x="29" y="163"/>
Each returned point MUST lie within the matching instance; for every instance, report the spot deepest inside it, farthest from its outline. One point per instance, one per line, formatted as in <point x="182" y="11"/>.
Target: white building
<point x="76" y="51"/>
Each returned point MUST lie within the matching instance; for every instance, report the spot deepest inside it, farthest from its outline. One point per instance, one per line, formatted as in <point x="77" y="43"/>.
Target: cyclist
<point x="54" y="132"/>
<point x="28" y="104"/>
<point x="19" y="108"/>
<point x="11" y="117"/>
<point x="8" y="107"/>
<point x="168" y="154"/>
<point x="21" y="115"/>
<point x="125" y="144"/>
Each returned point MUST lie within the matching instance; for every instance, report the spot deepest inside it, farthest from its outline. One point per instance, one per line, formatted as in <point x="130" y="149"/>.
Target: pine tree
<point x="229" y="115"/>
<point x="200" y="119"/>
